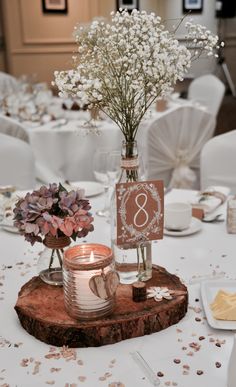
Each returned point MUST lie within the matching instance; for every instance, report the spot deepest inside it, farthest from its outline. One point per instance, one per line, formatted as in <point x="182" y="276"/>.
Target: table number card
<point x="139" y="211"/>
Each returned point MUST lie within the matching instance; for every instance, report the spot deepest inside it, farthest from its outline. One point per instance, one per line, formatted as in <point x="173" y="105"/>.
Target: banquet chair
<point x="11" y="127"/>
<point x="218" y="161"/>
<point x="17" y="165"/>
<point x="174" y="142"/>
<point x="8" y="84"/>
<point x="208" y="91"/>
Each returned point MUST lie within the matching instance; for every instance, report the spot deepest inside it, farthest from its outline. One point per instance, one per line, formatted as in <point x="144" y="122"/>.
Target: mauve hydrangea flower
<point x="53" y="210"/>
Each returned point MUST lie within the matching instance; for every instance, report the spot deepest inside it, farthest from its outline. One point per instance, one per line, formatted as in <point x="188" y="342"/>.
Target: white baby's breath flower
<point x="124" y="66"/>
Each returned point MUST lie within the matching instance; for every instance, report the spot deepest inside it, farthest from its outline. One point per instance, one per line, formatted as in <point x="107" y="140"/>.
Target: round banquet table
<point x="64" y="148"/>
<point x="190" y="353"/>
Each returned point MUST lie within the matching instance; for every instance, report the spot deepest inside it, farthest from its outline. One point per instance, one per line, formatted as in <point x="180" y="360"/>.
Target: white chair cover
<point x="208" y="91"/>
<point x="218" y="161"/>
<point x="8" y="84"/>
<point x="14" y="128"/>
<point x="17" y="166"/>
<point x="174" y="142"/>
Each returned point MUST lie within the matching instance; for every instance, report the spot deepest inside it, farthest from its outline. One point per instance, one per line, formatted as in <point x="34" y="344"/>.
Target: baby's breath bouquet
<point x="121" y="68"/>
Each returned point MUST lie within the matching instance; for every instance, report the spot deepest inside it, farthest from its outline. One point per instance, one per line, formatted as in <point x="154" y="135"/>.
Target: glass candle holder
<point x="89" y="281"/>
<point x="231" y="215"/>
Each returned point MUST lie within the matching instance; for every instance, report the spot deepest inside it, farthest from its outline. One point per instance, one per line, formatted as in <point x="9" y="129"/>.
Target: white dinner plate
<point x="7" y="208"/>
<point x="209" y="289"/>
<point x="195" y="226"/>
<point x="91" y="188"/>
<point x="10" y="228"/>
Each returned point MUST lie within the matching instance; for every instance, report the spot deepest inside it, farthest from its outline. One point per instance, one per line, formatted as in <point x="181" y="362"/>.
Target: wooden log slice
<point x="41" y="311"/>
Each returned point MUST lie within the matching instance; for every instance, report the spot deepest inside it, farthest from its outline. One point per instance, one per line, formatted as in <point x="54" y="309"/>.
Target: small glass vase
<point x="49" y="266"/>
<point x="133" y="262"/>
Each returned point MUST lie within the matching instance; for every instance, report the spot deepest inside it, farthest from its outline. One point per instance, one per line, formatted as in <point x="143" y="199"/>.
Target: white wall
<point x="172" y="9"/>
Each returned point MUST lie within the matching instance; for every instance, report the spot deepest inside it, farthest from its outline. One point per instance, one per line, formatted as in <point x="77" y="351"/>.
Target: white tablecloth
<point x="67" y="151"/>
<point x="66" y="147"/>
<point x="211" y="250"/>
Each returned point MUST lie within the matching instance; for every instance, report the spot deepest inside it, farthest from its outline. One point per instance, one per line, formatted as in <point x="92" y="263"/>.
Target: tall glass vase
<point x="133" y="262"/>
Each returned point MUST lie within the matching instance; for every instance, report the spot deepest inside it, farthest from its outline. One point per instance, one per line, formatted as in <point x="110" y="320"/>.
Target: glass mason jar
<point x="49" y="266"/>
<point x="133" y="262"/>
<point x="231" y="215"/>
<point x="89" y="281"/>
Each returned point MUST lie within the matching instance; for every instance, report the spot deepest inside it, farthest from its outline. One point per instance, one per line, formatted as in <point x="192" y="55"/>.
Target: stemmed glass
<point x="106" y="167"/>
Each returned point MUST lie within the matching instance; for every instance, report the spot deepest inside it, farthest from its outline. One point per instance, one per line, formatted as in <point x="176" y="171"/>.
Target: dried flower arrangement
<point x="53" y="211"/>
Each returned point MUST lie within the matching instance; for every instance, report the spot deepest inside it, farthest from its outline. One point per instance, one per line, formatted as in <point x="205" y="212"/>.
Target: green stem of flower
<point x="51" y="259"/>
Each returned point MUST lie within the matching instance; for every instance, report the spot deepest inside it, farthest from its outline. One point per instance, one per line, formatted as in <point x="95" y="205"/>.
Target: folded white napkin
<point x="211" y="198"/>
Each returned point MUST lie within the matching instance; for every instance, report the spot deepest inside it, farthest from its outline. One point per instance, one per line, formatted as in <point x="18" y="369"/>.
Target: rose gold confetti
<point x="102" y="378"/>
<point x="82" y="378"/>
<point x="201" y="338"/>
<point x="160" y="374"/>
<point x="184" y="348"/>
<point x="36" y="367"/>
<point x="24" y="362"/>
<point x="167" y="383"/>
<point x="217" y="364"/>
<point x="218" y="344"/>
<point x="113" y="361"/>
<point x="195" y="346"/>
<point x="186" y="367"/>
<point x="196" y="309"/>
<point x="177" y="361"/>
<point x="178" y="330"/>
<point x="80" y="362"/>
<point x="53" y="356"/>
<point x="50" y="382"/>
<point x="199" y="372"/>
<point x="5" y="385"/>
<point x="116" y="384"/>
<point x="211" y="340"/>
<point x="180" y="340"/>
<point x="174" y="384"/>
<point x="185" y="372"/>
<point x="190" y="353"/>
<point x="53" y="369"/>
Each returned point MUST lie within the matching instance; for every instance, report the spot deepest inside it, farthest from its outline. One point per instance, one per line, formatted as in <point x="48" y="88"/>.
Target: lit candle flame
<point x="91" y="258"/>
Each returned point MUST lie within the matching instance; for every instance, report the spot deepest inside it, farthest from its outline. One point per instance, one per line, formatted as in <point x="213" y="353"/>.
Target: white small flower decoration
<point x="159" y="293"/>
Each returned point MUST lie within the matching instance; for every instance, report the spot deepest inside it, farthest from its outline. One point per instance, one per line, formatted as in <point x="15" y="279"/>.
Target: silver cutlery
<point x="213" y="219"/>
<point x="207" y="277"/>
<point x="141" y="362"/>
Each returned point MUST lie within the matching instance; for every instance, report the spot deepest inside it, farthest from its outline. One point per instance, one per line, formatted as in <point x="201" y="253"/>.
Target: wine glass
<point x="100" y="172"/>
<point x="106" y="168"/>
<point x="113" y="168"/>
